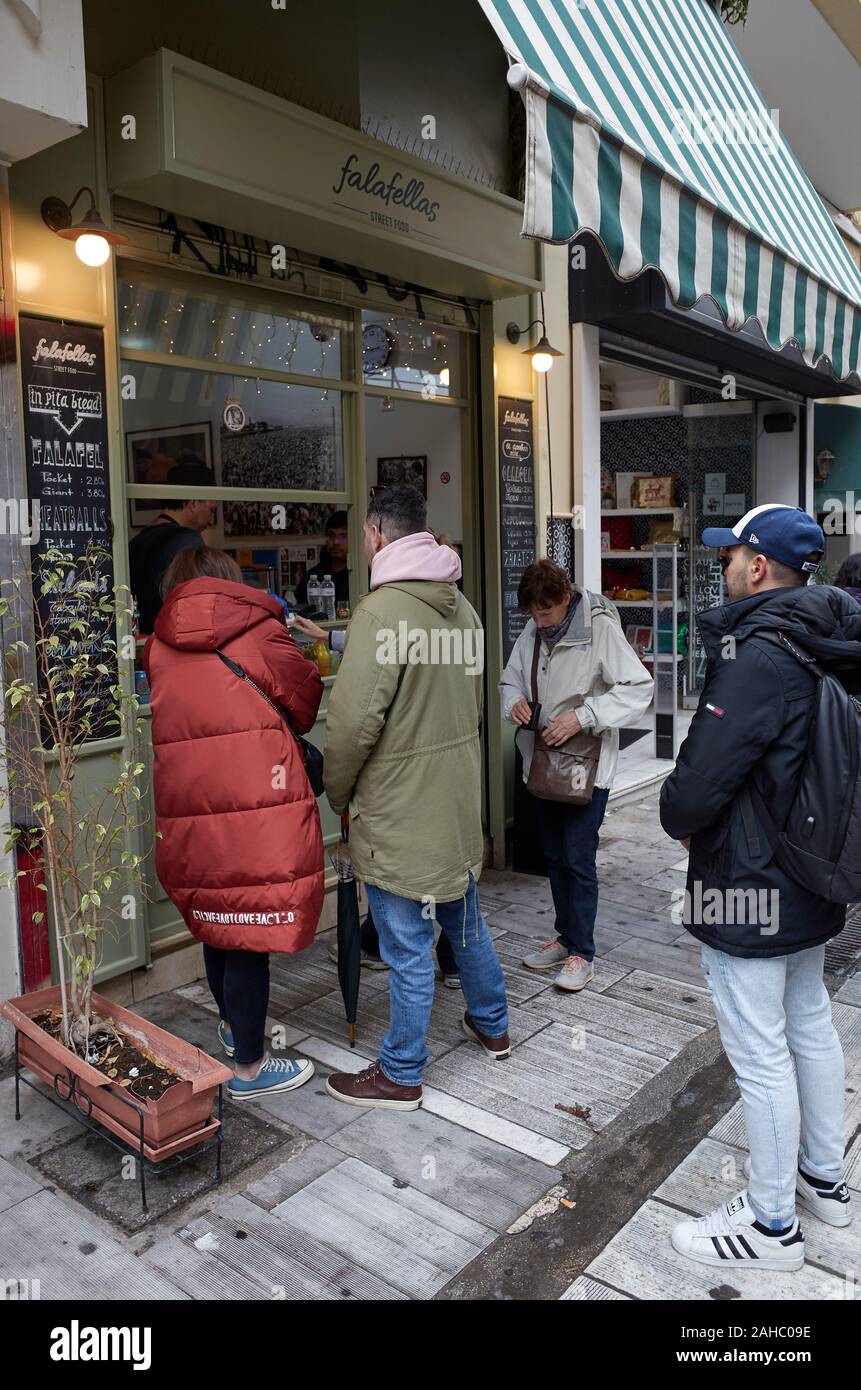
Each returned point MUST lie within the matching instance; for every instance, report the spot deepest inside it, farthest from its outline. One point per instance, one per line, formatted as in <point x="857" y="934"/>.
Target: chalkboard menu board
<point x="516" y="510"/>
<point x="66" y="443"/>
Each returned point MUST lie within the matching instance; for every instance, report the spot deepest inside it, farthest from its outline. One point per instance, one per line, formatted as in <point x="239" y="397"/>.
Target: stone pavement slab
<point x="679" y="962"/>
<point x="46" y="1237"/>
<point x="279" y="1257"/>
<point x="386" y="1227"/>
<point x="15" y="1185"/>
<point x="656" y="992"/>
<point x="850" y="992"/>
<point x="584" y="1289"/>
<point x="442" y="1159"/>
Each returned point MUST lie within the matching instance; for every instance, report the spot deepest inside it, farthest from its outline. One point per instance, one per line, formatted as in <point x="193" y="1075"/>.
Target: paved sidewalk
<point x="368" y="1204"/>
<point x="639" y="1261"/>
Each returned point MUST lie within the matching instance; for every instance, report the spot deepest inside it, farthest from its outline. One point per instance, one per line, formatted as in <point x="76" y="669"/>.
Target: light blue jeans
<point x="406" y="942"/>
<point x="772" y="1014"/>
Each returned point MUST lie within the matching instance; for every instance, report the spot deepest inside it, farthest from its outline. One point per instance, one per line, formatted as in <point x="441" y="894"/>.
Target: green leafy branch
<point x="62" y="690"/>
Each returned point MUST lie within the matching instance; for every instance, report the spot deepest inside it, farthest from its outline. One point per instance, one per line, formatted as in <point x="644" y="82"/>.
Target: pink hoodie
<point x="415" y="557"/>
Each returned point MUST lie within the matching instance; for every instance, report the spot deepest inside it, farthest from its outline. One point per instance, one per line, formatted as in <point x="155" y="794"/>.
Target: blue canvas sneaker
<point x="275" y="1074"/>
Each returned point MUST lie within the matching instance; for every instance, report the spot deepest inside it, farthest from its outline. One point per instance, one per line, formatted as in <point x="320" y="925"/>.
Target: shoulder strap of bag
<point x="750" y="795"/>
<point x="243" y="676"/>
<point x="311" y="756"/>
<point x="780" y="639"/>
<point x="536" y="655"/>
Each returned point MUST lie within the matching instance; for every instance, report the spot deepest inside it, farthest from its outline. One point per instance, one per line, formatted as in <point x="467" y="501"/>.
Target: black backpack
<point x="820" y="844"/>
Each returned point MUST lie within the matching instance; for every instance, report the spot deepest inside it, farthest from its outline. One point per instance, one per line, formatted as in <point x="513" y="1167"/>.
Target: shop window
<point x="225" y="327"/>
<point x="290" y="437"/>
<point x="408" y="354"/>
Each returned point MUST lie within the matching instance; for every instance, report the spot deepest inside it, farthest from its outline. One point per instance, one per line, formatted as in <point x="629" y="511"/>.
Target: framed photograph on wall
<point x="405" y="468"/>
<point x="151" y="454"/>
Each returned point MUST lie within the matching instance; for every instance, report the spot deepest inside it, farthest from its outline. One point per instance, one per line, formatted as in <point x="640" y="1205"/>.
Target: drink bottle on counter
<point x="322" y="657"/>
<point x="327" y="597"/>
<point x="314" y="592"/>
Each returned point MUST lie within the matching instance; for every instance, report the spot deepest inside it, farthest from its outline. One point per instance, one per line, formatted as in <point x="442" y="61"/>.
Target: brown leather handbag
<point x="566" y="773"/>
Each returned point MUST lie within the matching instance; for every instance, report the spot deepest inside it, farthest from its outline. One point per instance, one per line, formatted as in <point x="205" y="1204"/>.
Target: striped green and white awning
<point x="644" y="127"/>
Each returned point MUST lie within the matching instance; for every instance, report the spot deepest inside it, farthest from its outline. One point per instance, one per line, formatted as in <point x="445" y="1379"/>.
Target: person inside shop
<point x="573" y="666"/>
<point x="178" y="526"/>
<point x="238" y="852"/>
<point x="333" y="561"/>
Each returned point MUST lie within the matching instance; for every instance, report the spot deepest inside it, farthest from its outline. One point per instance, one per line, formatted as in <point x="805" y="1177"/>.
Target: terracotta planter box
<point x="180" y="1118"/>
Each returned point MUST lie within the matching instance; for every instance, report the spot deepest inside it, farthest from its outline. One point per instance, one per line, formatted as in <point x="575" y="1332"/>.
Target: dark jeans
<point x="569" y="837"/>
<point x="239" y="981"/>
<point x="444" y="953"/>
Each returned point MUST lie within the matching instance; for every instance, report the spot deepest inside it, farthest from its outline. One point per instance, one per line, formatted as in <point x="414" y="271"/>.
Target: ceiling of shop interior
<point x="366" y="66"/>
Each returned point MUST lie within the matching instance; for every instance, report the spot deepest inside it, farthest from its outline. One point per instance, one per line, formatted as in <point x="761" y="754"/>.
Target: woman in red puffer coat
<point x="240" y="850"/>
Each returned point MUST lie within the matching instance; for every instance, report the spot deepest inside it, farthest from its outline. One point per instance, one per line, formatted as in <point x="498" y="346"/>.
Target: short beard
<point x="740" y="589"/>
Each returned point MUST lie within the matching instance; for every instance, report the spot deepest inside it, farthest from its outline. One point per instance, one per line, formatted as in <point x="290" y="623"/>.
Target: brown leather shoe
<point x="373" y="1087"/>
<point x="494" y="1047"/>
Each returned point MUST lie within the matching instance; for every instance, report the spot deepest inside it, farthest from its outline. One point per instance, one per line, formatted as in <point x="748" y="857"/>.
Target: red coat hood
<point x="203" y="614"/>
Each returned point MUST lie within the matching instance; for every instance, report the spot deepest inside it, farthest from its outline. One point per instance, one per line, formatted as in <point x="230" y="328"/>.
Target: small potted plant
<point x="61" y="690"/>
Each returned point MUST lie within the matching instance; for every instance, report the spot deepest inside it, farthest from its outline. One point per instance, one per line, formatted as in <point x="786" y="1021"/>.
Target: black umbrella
<point x="349" y="932"/>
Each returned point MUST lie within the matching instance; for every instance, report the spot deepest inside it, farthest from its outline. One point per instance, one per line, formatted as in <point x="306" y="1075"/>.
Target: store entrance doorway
<point x="419" y="442"/>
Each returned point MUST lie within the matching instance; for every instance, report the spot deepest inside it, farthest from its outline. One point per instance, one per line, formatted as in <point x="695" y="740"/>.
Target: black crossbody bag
<point x="311" y="756"/>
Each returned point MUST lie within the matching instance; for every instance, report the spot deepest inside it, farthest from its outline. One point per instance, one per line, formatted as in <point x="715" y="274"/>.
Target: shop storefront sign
<point x="66" y="449"/>
<point x="516" y="510"/>
<point x="387" y="196"/>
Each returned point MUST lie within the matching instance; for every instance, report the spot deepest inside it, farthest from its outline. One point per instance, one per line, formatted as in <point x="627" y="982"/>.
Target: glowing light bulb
<point x="444" y="377"/>
<point x="542" y="361"/>
<point x="92" y="250"/>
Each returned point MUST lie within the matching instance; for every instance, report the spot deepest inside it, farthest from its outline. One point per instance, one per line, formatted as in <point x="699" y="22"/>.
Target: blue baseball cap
<point x="786" y="534"/>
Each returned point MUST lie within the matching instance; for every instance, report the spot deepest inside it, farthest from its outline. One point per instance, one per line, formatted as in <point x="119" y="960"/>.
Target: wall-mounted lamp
<point x="93" y="240"/>
<point x="542" y="353"/>
<point x="824" y="460"/>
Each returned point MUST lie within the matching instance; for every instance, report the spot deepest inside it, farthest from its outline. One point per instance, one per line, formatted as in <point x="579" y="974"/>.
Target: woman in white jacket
<point x="589" y="677"/>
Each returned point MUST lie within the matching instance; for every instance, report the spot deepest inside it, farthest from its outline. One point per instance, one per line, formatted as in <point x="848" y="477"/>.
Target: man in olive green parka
<point x="403" y="756"/>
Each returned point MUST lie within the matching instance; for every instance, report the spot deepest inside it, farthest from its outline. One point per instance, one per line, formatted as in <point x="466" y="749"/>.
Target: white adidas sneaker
<point x="830" y="1202"/>
<point x="729" y="1234"/>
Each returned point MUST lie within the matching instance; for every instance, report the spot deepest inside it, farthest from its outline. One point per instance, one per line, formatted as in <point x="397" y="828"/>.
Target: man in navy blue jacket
<point x="764" y="933"/>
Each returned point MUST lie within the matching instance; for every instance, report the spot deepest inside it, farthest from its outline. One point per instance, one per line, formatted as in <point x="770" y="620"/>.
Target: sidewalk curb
<point x="609" y="1181"/>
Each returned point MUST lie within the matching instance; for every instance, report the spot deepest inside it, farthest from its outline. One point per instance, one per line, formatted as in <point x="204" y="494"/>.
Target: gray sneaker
<point x="369" y="962"/>
<point x="548" y="955"/>
<point x="575" y="974"/>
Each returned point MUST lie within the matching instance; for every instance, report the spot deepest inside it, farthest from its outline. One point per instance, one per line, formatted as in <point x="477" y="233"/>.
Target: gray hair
<point x="398" y="511"/>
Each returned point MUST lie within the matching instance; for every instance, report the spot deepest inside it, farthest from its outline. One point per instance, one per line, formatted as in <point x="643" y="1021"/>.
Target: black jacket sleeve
<point x="724" y="742"/>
